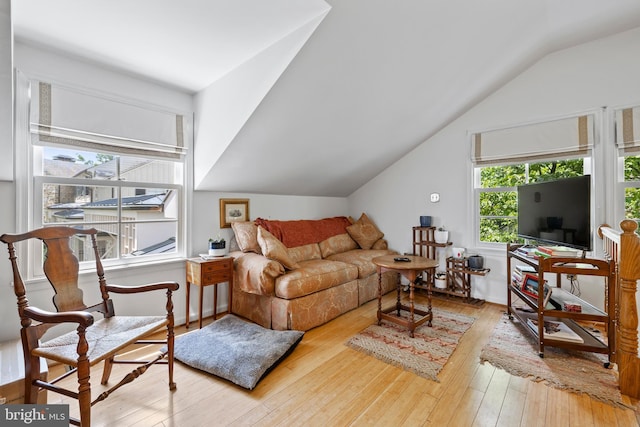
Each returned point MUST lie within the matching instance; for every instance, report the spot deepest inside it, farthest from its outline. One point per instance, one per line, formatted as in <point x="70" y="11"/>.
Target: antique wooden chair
<point x="96" y="339"/>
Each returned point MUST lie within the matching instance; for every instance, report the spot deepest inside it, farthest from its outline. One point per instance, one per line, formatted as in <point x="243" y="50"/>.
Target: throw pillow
<point x="246" y="233"/>
<point x="274" y="249"/>
<point x="337" y="245"/>
<point x="364" y="232"/>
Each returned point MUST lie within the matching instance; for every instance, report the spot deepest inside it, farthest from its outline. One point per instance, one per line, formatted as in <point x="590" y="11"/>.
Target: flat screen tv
<point x="556" y="212"/>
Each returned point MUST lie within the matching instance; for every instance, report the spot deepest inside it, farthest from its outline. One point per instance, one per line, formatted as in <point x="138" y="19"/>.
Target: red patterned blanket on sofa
<point x="305" y="231"/>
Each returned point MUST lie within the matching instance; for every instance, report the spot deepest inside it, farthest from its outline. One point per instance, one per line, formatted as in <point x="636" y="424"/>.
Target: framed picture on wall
<point x="233" y="210"/>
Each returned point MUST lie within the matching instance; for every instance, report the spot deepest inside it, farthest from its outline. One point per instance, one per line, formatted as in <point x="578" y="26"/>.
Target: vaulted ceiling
<point x="346" y="87"/>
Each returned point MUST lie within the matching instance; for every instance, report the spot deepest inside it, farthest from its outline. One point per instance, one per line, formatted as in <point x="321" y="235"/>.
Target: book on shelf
<point x="537" y="254"/>
<point x="525" y="269"/>
<point x="526" y="251"/>
<point x="516" y="274"/>
<point x="556" y="330"/>
<point x="561" y="251"/>
<point x="572" y="307"/>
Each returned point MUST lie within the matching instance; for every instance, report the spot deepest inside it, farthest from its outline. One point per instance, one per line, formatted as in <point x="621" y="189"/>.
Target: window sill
<point x="85" y="275"/>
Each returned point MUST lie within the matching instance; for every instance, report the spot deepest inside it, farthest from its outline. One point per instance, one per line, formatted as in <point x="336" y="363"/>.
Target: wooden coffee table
<point x="410" y="270"/>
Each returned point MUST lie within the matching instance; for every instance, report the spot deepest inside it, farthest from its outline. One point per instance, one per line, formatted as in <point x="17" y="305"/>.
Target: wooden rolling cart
<point x="556" y="310"/>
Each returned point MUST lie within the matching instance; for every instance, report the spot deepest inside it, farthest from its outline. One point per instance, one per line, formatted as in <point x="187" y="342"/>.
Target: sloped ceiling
<point x="375" y="78"/>
<point x="187" y="44"/>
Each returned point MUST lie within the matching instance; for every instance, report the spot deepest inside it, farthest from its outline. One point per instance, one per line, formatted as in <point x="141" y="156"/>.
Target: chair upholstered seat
<point x="105" y="338"/>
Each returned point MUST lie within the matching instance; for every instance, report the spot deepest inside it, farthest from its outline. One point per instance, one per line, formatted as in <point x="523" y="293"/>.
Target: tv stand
<point x="533" y="313"/>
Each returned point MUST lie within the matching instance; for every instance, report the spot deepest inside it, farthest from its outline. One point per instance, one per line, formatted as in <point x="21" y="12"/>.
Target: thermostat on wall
<point x="435" y="197"/>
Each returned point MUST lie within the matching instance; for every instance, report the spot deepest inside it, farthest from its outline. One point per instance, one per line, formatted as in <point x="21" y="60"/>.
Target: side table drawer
<point x="224" y="265"/>
<point x="216" y="277"/>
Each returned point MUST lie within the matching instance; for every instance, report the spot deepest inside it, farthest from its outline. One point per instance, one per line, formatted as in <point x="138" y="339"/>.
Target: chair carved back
<point x="61" y="268"/>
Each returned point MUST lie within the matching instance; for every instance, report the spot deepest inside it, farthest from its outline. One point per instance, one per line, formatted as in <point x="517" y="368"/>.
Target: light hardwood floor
<point x="325" y="383"/>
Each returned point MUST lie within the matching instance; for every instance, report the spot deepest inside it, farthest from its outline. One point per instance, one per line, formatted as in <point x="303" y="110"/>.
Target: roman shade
<point x="628" y="130"/>
<point x="62" y="115"/>
<point x="545" y="140"/>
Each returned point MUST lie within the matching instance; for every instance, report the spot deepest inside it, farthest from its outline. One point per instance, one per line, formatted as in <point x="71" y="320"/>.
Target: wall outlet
<point x="435" y="197"/>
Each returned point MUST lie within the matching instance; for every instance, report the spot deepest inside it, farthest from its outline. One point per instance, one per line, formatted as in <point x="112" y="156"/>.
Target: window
<point x="134" y="202"/>
<point x="104" y="163"/>
<point x="507" y="158"/>
<point x="628" y="142"/>
<point x="498" y="198"/>
<point x="631" y="186"/>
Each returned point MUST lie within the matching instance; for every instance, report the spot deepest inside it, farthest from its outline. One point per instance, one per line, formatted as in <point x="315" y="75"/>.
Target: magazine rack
<point x="563" y="329"/>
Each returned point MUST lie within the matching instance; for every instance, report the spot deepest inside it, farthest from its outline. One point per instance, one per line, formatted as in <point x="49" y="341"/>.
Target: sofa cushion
<point x="273" y="249"/>
<point x="361" y="258"/>
<point x="313" y="276"/>
<point x="380" y="244"/>
<point x="364" y="234"/>
<point x="305" y="252"/>
<point x="246" y="233"/>
<point x="337" y="244"/>
<point x="302" y="232"/>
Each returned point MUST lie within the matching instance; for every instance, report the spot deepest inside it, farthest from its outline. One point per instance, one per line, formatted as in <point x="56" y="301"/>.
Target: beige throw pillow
<point x="274" y="249"/>
<point x="246" y="233"/>
<point x="364" y="232"/>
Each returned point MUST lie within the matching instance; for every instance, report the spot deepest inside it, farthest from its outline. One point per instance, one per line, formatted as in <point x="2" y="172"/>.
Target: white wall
<point x="228" y="102"/>
<point x="205" y="211"/>
<point x="6" y="91"/>
<point x="587" y="77"/>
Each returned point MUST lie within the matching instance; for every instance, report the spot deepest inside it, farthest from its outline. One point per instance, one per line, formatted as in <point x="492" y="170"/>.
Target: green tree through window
<point x="632" y="187"/>
<point x="498" y="197"/>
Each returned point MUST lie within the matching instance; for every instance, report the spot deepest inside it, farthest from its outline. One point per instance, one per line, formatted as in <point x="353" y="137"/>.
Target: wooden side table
<point x="410" y="270"/>
<point x="203" y="273"/>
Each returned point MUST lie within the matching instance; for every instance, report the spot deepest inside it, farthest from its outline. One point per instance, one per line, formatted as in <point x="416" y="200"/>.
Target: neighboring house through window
<point x="107" y="164"/>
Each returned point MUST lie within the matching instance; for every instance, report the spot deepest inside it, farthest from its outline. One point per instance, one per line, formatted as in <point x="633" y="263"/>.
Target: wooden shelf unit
<point x="459" y="278"/>
<point x="458" y="275"/>
<point x="424" y="245"/>
<point x="553" y="310"/>
<point x="424" y="242"/>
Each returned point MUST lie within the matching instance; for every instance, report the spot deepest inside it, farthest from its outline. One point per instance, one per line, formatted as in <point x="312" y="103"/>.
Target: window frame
<point x="624" y="184"/>
<point x="593" y="164"/>
<point x="29" y="186"/>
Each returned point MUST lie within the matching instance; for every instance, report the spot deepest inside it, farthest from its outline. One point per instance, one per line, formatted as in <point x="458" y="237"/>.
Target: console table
<point x="410" y="270"/>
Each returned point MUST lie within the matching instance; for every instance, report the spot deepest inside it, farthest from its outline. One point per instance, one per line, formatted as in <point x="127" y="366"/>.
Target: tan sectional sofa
<point x="301" y="274"/>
